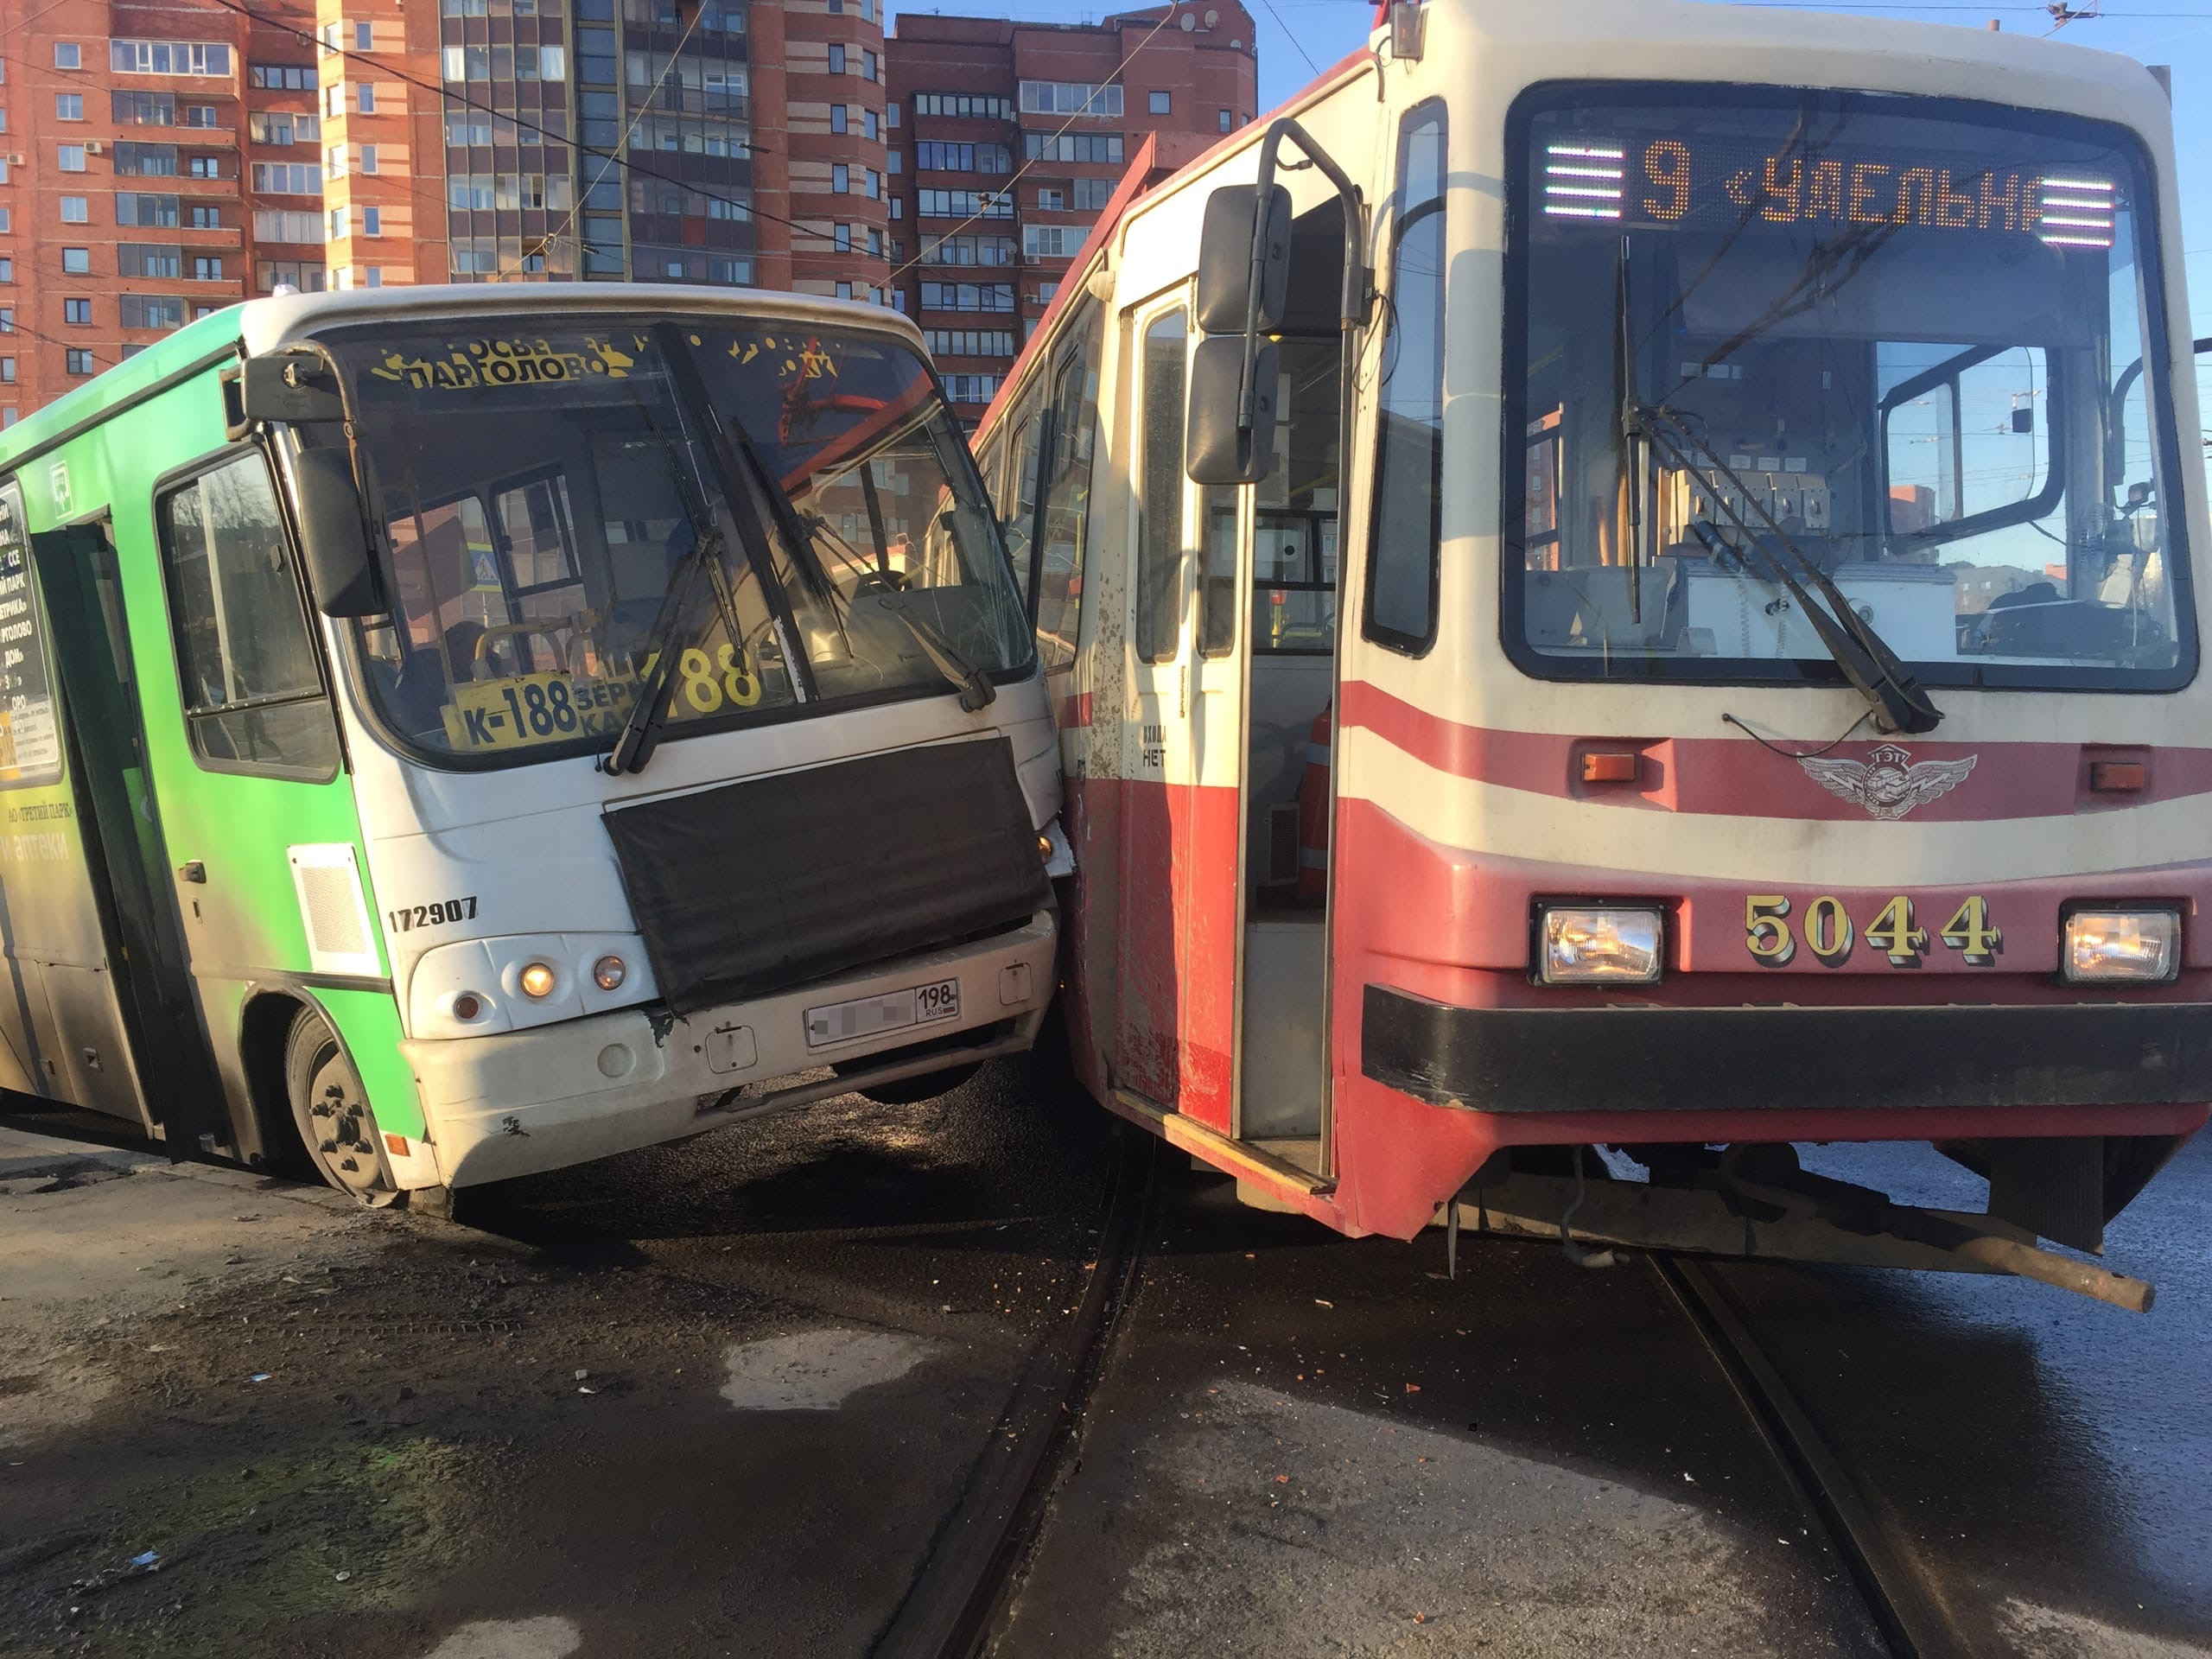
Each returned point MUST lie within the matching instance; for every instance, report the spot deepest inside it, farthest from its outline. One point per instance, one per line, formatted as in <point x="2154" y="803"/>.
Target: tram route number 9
<point x="551" y="708"/>
<point x="1774" y="928"/>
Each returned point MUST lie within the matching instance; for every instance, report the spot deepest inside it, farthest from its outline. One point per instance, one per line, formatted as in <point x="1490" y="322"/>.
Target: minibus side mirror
<point x="334" y="542"/>
<point x="1226" y="253"/>
<point x="293" y="386"/>
<point x="1215" y="450"/>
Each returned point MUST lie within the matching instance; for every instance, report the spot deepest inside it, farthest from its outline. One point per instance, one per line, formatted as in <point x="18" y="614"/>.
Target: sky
<point x="1299" y="37"/>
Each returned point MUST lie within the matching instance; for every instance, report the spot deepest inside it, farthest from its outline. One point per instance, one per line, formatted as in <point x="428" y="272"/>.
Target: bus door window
<point x="253" y="693"/>
<point x="1066" y="519"/>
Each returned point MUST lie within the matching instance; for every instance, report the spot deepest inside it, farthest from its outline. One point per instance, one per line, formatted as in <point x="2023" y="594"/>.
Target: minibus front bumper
<point x="518" y="1103"/>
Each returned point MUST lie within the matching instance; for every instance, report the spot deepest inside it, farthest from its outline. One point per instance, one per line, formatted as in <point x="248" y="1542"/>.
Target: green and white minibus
<point x="451" y="733"/>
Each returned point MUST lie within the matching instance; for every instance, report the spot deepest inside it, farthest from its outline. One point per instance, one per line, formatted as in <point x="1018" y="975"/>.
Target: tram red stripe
<point x="1735" y="777"/>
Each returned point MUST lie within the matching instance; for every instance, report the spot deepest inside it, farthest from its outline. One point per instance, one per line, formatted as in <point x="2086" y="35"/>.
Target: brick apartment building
<point x="979" y="252"/>
<point x="161" y="161"/>
<point x="150" y="157"/>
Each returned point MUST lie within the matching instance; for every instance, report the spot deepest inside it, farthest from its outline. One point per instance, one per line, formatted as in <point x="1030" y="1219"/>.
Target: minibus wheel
<point x="331" y="1110"/>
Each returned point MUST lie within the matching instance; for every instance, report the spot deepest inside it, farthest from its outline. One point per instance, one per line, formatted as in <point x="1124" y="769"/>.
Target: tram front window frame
<point x="2073" y="575"/>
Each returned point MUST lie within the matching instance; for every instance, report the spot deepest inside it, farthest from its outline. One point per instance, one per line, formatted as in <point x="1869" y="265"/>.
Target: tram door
<point x="1176" y="1020"/>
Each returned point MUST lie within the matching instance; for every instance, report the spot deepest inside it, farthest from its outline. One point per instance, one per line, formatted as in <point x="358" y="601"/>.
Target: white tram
<point x="1619" y="574"/>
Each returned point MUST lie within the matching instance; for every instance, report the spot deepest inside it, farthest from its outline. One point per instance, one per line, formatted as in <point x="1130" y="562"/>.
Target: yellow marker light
<point x="608" y="973"/>
<point x="537" y="980"/>
<point x="2121" y="947"/>
<point x="1600" y="944"/>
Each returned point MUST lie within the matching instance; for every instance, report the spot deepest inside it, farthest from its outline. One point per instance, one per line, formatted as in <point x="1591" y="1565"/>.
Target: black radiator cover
<point x="756" y="887"/>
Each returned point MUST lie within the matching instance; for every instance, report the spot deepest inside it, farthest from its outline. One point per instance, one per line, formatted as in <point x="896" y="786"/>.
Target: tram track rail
<point x="1908" y="1615"/>
<point x="960" y="1590"/>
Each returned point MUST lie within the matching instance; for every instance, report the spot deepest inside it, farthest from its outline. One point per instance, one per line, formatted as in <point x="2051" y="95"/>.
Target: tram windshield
<point x="786" y="508"/>
<point x="1916" y="344"/>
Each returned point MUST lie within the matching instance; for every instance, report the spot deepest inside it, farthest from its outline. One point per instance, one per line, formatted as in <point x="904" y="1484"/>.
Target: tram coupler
<point x="1798" y="1218"/>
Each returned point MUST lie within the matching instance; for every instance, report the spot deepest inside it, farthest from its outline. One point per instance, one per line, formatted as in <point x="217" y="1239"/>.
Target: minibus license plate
<point x="869" y="1016"/>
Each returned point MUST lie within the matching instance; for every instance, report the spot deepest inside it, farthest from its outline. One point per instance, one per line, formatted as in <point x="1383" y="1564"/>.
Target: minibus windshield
<point x="1909" y="345"/>
<point x="563" y="503"/>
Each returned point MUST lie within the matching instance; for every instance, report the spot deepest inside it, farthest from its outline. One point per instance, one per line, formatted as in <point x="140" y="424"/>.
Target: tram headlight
<point x="609" y="972"/>
<point x="1600" y="944"/>
<point x="2110" y="947"/>
<point x="537" y="981"/>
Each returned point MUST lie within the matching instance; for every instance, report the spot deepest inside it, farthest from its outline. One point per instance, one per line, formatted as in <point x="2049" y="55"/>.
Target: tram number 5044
<point x="1825" y="930"/>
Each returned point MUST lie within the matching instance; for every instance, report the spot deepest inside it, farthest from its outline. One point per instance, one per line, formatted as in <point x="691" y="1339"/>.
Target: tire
<point x="331" y="1111"/>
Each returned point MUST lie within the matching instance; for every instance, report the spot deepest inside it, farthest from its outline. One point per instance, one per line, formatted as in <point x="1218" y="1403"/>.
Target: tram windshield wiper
<point x="1875" y="670"/>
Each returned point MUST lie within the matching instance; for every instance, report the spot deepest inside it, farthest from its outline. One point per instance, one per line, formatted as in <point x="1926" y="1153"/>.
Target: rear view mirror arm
<point x="1354" y="301"/>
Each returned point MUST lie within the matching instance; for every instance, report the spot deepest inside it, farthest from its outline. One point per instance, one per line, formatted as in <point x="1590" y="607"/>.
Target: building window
<point x="844" y="290"/>
<point x="8" y="416"/>
<point x="7" y="318"/>
<point x="306" y="277"/>
<point x="7" y="271"/>
<point x="836" y="118"/>
<point x="372" y="222"/>
<point x="875" y="185"/>
<point x="68" y="54"/>
<point x="867" y="63"/>
<point x="971" y="388"/>
<point x="156" y="259"/>
<point x="142" y="109"/>
<point x="968" y="296"/>
<point x="77" y="262"/>
<point x="1069" y="98"/>
<point x="368" y="158"/>
<point x="868" y="126"/>
<point x="68" y="106"/>
<point x="963" y="204"/>
<point x="372" y="276"/>
<point x="1052" y="200"/>
<point x="167" y="58"/>
<point x="874" y="243"/>
<point x="1097" y="147"/>
<point x="1052" y="241"/>
<point x="76" y="311"/>
<point x="207" y="219"/>
<point x="1159" y="103"/>
<point x="71" y="158"/>
<point x="334" y="102"/>
<point x="363" y="40"/>
<point x="7" y="221"/>
<point x="896" y="161"/>
<point x="282" y="77"/>
<point x="199" y="114"/>
<point x="836" y="58"/>
<point x="364" y="98"/>
<point x="152" y="311"/>
<point x="333" y="162"/>
<point x="891" y="115"/>
<point x="7" y="370"/>
<point x="898" y="207"/>
<point x="937" y="156"/>
<point x="153" y="212"/>
<point x="1223" y="116"/>
<point x="841" y="178"/>
<point x="286" y="179"/>
<point x="274" y="224"/>
<point x="200" y="166"/>
<point x="337" y="223"/>
<point x="206" y="268"/>
<point x="78" y="361"/>
<point x="842" y="238"/>
<point x="1091" y="196"/>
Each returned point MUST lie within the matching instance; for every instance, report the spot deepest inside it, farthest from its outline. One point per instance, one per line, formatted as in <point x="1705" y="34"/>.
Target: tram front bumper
<point x="518" y="1102"/>
<point x="1729" y="1059"/>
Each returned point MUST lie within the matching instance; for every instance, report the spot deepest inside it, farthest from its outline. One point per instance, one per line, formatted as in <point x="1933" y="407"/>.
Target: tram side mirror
<point x="334" y="543"/>
<point x="1214" y="450"/>
<point x="293" y="386"/>
<point x="1225" y="254"/>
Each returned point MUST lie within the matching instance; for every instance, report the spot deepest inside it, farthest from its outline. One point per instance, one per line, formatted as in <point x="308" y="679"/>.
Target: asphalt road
<point x="720" y="1398"/>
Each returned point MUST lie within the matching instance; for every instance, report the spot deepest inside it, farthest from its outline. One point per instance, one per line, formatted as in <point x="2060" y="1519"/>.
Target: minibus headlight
<point x="2112" y="947"/>
<point x="536" y="980"/>
<point x="1595" y="944"/>
<point x="608" y="973"/>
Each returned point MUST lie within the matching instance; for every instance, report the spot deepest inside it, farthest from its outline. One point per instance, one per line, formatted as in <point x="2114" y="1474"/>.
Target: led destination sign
<point x="1716" y="185"/>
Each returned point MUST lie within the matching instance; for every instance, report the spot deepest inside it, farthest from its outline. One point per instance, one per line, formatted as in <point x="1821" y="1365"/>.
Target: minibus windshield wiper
<point x="640" y="734"/>
<point x="1874" y="669"/>
<point x="800" y="531"/>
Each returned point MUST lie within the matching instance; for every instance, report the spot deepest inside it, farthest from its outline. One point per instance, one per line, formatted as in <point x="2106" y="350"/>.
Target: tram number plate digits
<point x="870" y="1016"/>
<point x="1774" y="928"/>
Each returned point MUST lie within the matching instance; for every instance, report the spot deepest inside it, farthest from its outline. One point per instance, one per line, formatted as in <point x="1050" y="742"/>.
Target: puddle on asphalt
<point x="816" y="1370"/>
<point x="511" y="1638"/>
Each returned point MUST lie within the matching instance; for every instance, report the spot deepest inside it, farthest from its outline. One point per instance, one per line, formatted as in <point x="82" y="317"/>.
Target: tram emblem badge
<point x="1889" y="783"/>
